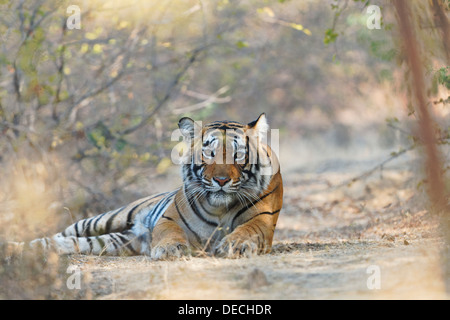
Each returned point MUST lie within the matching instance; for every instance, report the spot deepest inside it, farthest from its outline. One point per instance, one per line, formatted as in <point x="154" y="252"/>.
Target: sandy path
<point x="314" y="271"/>
<point x="329" y="244"/>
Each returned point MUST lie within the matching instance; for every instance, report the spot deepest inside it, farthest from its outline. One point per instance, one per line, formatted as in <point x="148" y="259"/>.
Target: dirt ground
<point x="370" y="240"/>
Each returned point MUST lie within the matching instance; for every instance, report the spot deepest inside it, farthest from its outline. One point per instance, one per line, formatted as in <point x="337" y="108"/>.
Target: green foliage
<point x="443" y="78"/>
<point x="382" y="49"/>
<point x="241" y="44"/>
<point x="330" y="36"/>
<point x="338" y="8"/>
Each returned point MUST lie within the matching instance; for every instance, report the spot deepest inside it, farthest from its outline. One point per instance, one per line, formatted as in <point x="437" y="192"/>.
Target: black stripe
<point x="207" y="212"/>
<point x="76" y="230"/>
<point x="168" y="218"/>
<point x="152" y="218"/>
<point x="225" y="124"/>
<point x="88" y="227"/>
<point x="198" y="213"/>
<point x="225" y="127"/>
<point x="97" y="219"/>
<point x="251" y="204"/>
<point x="197" y="170"/>
<point x="257" y="160"/>
<point x="83" y="230"/>
<point x="247" y="147"/>
<point x="185" y="222"/>
<point x="129" y="223"/>
<point x="111" y="219"/>
<point x="207" y="143"/>
<point x="89" y="241"/>
<point x="130" y="214"/>
<point x="127" y="243"/>
<point x="249" y="173"/>
<point x="100" y="242"/>
<point x="114" y="241"/>
<point x="261" y="213"/>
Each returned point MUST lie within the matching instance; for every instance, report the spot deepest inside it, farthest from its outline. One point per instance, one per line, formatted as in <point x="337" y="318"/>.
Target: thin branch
<point x="408" y="134"/>
<point x="372" y="170"/>
<point x="208" y="99"/>
<point x="121" y="60"/>
<point x="16" y="82"/>
<point x="441" y="17"/>
<point x="440" y="141"/>
<point x="335" y="20"/>
<point x="60" y="68"/>
<point x="18" y="127"/>
<point x="25" y="36"/>
<point x="168" y="93"/>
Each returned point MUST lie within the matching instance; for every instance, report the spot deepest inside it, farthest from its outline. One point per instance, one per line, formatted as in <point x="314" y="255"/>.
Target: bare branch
<point x="120" y="62"/>
<point x="168" y="93"/>
<point x="369" y="172"/>
<point x="208" y="99"/>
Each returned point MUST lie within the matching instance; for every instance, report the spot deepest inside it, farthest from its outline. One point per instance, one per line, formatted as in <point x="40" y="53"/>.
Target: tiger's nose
<point x="221" y="180"/>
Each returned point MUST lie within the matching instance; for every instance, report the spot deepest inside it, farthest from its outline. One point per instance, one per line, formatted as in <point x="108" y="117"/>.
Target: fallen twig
<point x="365" y="174"/>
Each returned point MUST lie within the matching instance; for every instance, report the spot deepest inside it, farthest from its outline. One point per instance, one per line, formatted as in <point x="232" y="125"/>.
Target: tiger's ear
<point x="188" y="127"/>
<point x="259" y="126"/>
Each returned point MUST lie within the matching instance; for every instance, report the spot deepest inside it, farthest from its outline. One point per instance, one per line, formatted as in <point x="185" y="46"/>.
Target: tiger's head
<point x="229" y="161"/>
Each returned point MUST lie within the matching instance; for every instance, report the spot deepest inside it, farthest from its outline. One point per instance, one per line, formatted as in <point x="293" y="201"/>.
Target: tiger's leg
<point x="117" y="243"/>
<point x="252" y="237"/>
<point x="168" y="240"/>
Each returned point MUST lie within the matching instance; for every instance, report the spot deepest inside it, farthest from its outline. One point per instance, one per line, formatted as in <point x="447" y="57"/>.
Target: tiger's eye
<point x="209" y="153"/>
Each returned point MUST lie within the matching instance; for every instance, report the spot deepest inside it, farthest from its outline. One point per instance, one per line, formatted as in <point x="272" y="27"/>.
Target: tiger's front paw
<point x="169" y="251"/>
<point x="235" y="247"/>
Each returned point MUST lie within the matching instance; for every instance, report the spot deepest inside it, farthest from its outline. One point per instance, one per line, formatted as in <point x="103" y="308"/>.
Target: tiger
<point x="227" y="206"/>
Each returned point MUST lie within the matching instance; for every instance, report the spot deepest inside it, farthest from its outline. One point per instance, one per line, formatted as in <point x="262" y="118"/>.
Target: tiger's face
<point x="226" y="161"/>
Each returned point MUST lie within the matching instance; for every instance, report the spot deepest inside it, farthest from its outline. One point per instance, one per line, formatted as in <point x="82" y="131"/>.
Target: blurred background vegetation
<point x="86" y="114"/>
